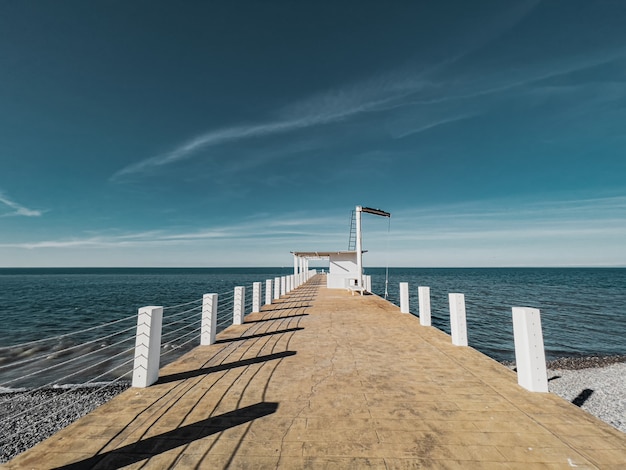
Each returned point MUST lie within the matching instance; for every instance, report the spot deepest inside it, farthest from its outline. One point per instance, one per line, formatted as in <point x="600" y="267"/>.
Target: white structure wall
<point x="343" y="270"/>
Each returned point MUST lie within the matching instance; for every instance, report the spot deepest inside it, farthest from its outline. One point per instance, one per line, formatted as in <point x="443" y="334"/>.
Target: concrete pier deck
<point x="324" y="379"/>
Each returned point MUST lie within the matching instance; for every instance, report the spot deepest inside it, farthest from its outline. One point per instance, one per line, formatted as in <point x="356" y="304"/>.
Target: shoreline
<point x="594" y="383"/>
<point x="577" y="362"/>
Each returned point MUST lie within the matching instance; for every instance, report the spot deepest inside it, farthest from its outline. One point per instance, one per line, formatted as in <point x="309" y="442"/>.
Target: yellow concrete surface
<point x="324" y="379"/>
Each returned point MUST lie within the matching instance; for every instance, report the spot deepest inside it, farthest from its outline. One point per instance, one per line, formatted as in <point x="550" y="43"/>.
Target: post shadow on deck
<point x="150" y="320"/>
<point x="146" y="448"/>
<point x="221" y="367"/>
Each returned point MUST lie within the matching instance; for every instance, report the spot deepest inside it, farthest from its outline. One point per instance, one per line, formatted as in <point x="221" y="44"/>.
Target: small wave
<point x="12" y="390"/>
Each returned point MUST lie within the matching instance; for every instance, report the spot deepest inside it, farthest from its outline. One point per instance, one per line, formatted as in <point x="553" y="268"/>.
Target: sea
<point x="57" y="323"/>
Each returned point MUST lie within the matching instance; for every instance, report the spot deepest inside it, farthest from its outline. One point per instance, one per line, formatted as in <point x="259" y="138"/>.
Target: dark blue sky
<point x="155" y="133"/>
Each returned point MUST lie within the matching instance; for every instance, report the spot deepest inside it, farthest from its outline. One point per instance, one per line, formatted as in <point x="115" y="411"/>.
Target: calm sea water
<point x="582" y="310"/>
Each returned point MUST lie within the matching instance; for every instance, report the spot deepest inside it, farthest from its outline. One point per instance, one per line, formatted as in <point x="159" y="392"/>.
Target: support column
<point x="283" y="285"/>
<point x="530" y="357"/>
<point x="256" y="296"/>
<point x="295" y="264"/>
<point x="359" y="247"/>
<point x="276" y="288"/>
<point x="458" y="325"/>
<point x="423" y="294"/>
<point x="147" y="346"/>
<point x="404" y="297"/>
<point x="208" y="326"/>
<point x="268" y="292"/>
<point x="239" y="305"/>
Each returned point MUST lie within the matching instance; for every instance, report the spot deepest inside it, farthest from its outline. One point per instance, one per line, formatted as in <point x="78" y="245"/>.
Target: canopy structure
<point x="346" y="267"/>
<point x="343" y="266"/>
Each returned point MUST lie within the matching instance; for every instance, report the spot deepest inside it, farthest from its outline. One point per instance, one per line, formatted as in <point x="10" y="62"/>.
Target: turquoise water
<point x="582" y="310"/>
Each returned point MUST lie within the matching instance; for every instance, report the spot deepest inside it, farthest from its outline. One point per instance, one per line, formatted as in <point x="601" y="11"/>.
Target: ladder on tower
<point x="352" y="238"/>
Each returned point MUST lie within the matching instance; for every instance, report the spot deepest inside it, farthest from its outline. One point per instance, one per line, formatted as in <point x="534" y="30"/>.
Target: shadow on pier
<point x="181" y="436"/>
<point x="229" y="365"/>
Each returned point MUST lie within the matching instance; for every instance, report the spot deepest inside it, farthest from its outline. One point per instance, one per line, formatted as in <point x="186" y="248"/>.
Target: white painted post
<point x="239" y="305"/>
<point x="283" y="285"/>
<point x="288" y="284"/>
<point x="208" y="326"/>
<point x="404" y="297"/>
<point x="368" y="283"/>
<point x="359" y="246"/>
<point x="256" y="296"/>
<point x="147" y="346"/>
<point x="276" y="288"/>
<point x="423" y="294"/>
<point x="458" y="324"/>
<point x="530" y="356"/>
<point x="268" y="291"/>
<point x="295" y="264"/>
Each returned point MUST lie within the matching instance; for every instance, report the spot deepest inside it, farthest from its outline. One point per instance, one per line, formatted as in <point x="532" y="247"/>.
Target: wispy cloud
<point x="333" y="106"/>
<point x="382" y="92"/>
<point x="16" y="209"/>
<point x="433" y="124"/>
<point x="294" y="228"/>
<point x="592" y="219"/>
<point x="418" y="90"/>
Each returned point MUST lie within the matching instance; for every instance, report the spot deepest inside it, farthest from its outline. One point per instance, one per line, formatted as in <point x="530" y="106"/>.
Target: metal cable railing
<point x="67" y="335"/>
<point x="183" y="304"/>
<point x="60" y="352"/>
<point x="56" y="411"/>
<point x="99" y="362"/>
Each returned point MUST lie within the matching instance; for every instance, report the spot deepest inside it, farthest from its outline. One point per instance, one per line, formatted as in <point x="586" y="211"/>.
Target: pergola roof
<point x="321" y="254"/>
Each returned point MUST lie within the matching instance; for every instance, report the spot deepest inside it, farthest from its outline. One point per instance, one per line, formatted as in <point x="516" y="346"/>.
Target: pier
<point x="321" y="378"/>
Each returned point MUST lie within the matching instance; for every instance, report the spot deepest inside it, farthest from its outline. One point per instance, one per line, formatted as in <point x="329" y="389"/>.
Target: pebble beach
<point x="600" y="391"/>
<point x="596" y="384"/>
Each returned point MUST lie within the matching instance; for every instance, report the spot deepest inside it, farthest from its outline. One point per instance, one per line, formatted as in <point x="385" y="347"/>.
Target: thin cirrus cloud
<point x="16" y="209"/>
<point x="325" y="108"/>
<point x="383" y="92"/>
<point x="289" y="228"/>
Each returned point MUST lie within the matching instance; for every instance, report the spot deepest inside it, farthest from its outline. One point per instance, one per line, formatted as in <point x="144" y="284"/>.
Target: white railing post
<point x="423" y="294"/>
<point x="283" y="285"/>
<point x="208" y="327"/>
<point x="276" y="288"/>
<point x="268" y="291"/>
<point x="239" y="305"/>
<point x="256" y="296"/>
<point x="530" y="357"/>
<point x="404" y="297"/>
<point x="147" y="346"/>
<point x="458" y="324"/>
<point x="368" y="283"/>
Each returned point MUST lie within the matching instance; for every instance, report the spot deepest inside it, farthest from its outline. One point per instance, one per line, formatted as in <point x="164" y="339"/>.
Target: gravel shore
<point x="600" y="391"/>
<point x="35" y="422"/>
<point x="596" y="384"/>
